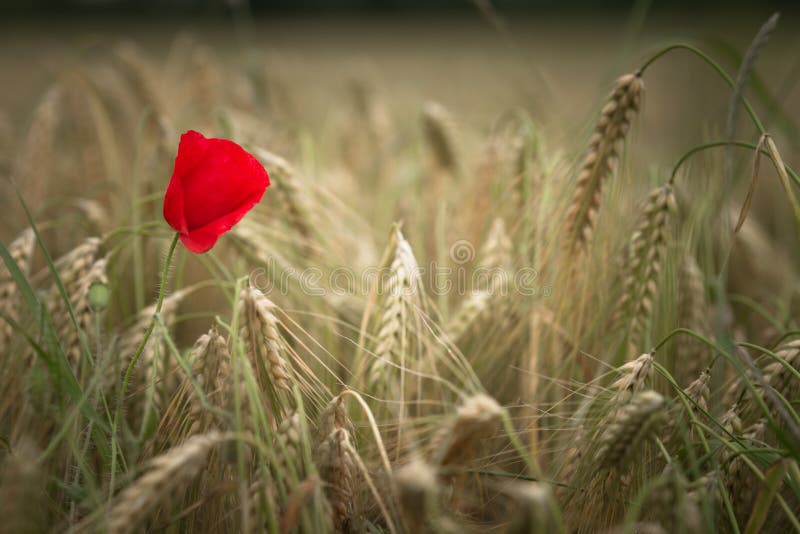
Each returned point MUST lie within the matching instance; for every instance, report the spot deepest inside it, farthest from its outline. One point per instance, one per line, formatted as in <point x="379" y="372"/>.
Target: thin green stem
<point x="717" y="144"/>
<point x="714" y="65"/>
<point x="162" y="291"/>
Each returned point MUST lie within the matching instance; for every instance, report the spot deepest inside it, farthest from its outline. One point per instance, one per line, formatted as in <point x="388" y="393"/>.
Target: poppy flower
<point x="214" y="184"/>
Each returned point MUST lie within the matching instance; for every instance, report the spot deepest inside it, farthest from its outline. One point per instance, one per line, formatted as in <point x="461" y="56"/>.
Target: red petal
<point x="191" y="151"/>
<point x="203" y="238"/>
<point x="227" y="179"/>
<point x="215" y="182"/>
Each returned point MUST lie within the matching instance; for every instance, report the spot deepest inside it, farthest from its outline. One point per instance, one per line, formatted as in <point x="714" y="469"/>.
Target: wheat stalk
<point x="139" y="73"/>
<point x="35" y="160"/>
<point x="535" y="509"/>
<point x="492" y="279"/>
<point x="211" y="369"/>
<point x="782" y="378"/>
<point x="476" y="419"/>
<point x="417" y="491"/>
<point x="440" y="132"/>
<point x="495" y="256"/>
<point x="698" y="392"/>
<point x="263" y="343"/>
<point x="21" y="251"/>
<point x="631" y="425"/>
<point x="642" y="263"/>
<point x="601" y="159"/>
<point x="693" y="312"/>
<point x="398" y="293"/>
<point x="293" y="193"/>
<point x="334" y="460"/>
<point x="165" y="477"/>
<point x="633" y="377"/>
<point x="741" y="482"/>
<point x="23" y="498"/>
<point x="84" y="312"/>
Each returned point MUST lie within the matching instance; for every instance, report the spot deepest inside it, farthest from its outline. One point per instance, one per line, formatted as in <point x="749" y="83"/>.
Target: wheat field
<point x="442" y="317"/>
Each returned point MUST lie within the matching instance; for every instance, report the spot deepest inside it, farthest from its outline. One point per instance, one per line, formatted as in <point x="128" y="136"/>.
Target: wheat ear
<point x="643" y="261"/>
<point x="24" y="500"/>
<point x="742" y="483"/>
<point x="601" y="159"/>
<point x="398" y="293"/>
<point x="476" y="419"/>
<point x="84" y="312"/>
<point x="440" y="132"/>
<point x="693" y="313"/>
<point x="21" y="251"/>
<point x="165" y="477"/>
<point x="292" y="191"/>
<point x="36" y="157"/>
<point x="632" y="424"/>
<point x="333" y="456"/>
<point x="417" y="491"/>
<point x="263" y="342"/>
<point x="633" y="376"/>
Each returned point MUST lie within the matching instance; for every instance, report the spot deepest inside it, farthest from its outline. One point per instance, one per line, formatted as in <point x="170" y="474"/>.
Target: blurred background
<point x="554" y="61"/>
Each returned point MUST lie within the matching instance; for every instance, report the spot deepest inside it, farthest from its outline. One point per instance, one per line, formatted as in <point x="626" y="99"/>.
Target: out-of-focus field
<point x="496" y="284"/>
<point x="555" y="67"/>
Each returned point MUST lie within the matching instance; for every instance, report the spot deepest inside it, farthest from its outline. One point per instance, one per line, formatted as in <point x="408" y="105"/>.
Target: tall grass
<point x="313" y="373"/>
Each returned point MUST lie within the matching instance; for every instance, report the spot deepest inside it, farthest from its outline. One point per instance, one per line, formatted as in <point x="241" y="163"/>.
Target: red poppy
<point x="214" y="183"/>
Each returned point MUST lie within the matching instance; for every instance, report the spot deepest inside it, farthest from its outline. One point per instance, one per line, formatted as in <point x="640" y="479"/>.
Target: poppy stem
<point x="162" y="290"/>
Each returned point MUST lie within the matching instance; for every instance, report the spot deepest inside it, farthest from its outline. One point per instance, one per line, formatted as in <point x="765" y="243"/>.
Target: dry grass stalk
<point x="535" y="509"/>
<point x="417" y="491"/>
<point x="440" y="132"/>
<point x="289" y="438"/>
<point x="204" y="79"/>
<point x="23" y="496"/>
<point x="731" y="421"/>
<point x="35" y="161"/>
<point x="21" y="251"/>
<point x="211" y="365"/>
<point x="211" y="369"/>
<point x="643" y="262"/>
<point x="73" y="266"/>
<point x="475" y="306"/>
<point x="632" y="424"/>
<point x="668" y="505"/>
<point x="293" y="193"/>
<point x="741" y="482"/>
<point x="495" y="256"/>
<point x="698" y="392"/>
<point x="164" y="478"/>
<point x="601" y="159"/>
<point x="140" y="74"/>
<point x="781" y="378"/>
<point x="263" y="343"/>
<point x="77" y="270"/>
<point x="477" y="418"/>
<point x="693" y="312"/>
<point x="491" y="276"/>
<point x="398" y="293"/>
<point x="777" y="377"/>
<point x="634" y="374"/>
<point x="334" y="416"/>
<point x="336" y="465"/>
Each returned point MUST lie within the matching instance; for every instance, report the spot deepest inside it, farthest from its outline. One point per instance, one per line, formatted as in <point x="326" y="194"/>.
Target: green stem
<point x="716" y="144"/>
<point x="714" y="65"/>
<point x="162" y="291"/>
<point x="159" y="303"/>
